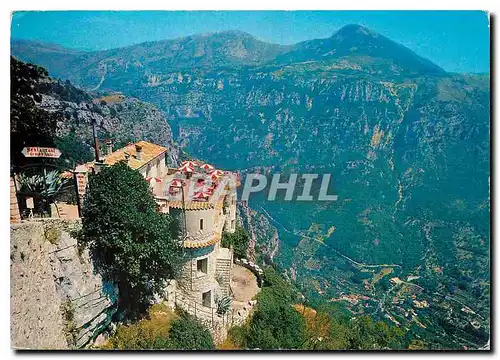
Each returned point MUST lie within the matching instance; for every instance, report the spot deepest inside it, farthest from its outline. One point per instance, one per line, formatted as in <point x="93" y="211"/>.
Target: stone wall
<point x="194" y="283"/>
<point x="256" y="269"/>
<point x="218" y="324"/>
<point x="231" y="213"/>
<point x="15" y="217"/>
<point x="35" y="306"/>
<point x="58" y="300"/>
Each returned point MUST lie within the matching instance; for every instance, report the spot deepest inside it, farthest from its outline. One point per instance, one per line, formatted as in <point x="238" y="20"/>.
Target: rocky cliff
<point x="58" y="301"/>
<point x="119" y="118"/>
<point x="264" y="237"/>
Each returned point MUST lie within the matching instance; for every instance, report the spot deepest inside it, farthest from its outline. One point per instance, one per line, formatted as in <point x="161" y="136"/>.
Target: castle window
<point x="201" y="224"/>
<point x="202" y="266"/>
<point x="206" y="298"/>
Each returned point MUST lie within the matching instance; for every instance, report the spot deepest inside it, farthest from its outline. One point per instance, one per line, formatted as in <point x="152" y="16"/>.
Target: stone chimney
<point x="98" y="166"/>
<point x="138" y="152"/>
<point x="109" y="147"/>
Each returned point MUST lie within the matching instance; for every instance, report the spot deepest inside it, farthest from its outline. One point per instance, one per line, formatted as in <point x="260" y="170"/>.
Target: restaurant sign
<point x="45" y="152"/>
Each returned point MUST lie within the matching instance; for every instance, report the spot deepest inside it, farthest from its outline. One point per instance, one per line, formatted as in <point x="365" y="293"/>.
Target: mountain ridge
<point x="356" y="40"/>
<point x="228" y="48"/>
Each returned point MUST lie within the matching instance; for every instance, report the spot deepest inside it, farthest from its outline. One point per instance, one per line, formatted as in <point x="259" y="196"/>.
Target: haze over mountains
<point x="228" y="48"/>
<point x="407" y="145"/>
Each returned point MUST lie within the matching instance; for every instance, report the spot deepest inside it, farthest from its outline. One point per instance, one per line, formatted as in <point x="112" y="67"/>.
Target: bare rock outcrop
<point x="73" y="303"/>
<point x="35" y="306"/>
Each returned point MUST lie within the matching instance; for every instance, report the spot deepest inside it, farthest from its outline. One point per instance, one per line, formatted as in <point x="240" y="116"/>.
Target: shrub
<point x="149" y="333"/>
<point x="239" y="240"/>
<point x="131" y="242"/>
<point x="276" y="324"/>
<point x="188" y="334"/>
<point x="278" y="285"/>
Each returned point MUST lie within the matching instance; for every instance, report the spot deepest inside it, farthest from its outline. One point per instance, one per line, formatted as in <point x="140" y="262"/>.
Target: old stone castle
<point x="203" y="199"/>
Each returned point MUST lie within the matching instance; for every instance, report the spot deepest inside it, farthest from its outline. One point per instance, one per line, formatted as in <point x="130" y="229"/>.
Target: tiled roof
<point x="150" y="151"/>
<point x="200" y="244"/>
<point x="191" y="205"/>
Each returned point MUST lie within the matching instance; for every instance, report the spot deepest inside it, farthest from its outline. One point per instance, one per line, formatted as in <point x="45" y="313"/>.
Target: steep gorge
<point x="407" y="145"/>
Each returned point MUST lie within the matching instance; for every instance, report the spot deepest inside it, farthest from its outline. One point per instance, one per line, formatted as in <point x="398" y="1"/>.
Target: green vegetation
<point x="68" y="314"/>
<point x="223" y="304"/>
<point x="280" y="322"/>
<point x="73" y="149"/>
<point x="44" y="188"/>
<point x="275" y="324"/>
<point x="188" y="334"/>
<point x="65" y="120"/>
<point x="367" y="334"/>
<point x="162" y="329"/>
<point x="29" y="124"/>
<point x="133" y="244"/>
<point x="239" y="240"/>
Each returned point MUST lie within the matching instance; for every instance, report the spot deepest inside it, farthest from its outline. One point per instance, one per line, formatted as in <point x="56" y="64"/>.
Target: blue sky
<point x="458" y="41"/>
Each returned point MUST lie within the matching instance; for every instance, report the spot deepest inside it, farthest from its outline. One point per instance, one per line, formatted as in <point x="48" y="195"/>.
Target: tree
<point x="275" y="323"/>
<point x="239" y="240"/>
<point x="131" y="242"/>
<point x="275" y="283"/>
<point x="29" y="125"/>
<point x="369" y="335"/>
<point x="74" y="150"/>
<point x="188" y="334"/>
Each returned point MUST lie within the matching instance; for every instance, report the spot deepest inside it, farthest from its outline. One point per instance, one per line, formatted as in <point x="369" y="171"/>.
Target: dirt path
<point x="243" y="285"/>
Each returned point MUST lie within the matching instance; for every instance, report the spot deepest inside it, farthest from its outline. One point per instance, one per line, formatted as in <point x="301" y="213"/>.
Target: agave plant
<point x="47" y="186"/>
<point x="43" y="187"/>
<point x="223" y="304"/>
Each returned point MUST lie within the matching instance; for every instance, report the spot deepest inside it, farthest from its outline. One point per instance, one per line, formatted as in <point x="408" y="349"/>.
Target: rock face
<point x="122" y="119"/>
<point x="35" y="305"/>
<point x="263" y="235"/>
<point x="73" y="303"/>
<point x="118" y="118"/>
